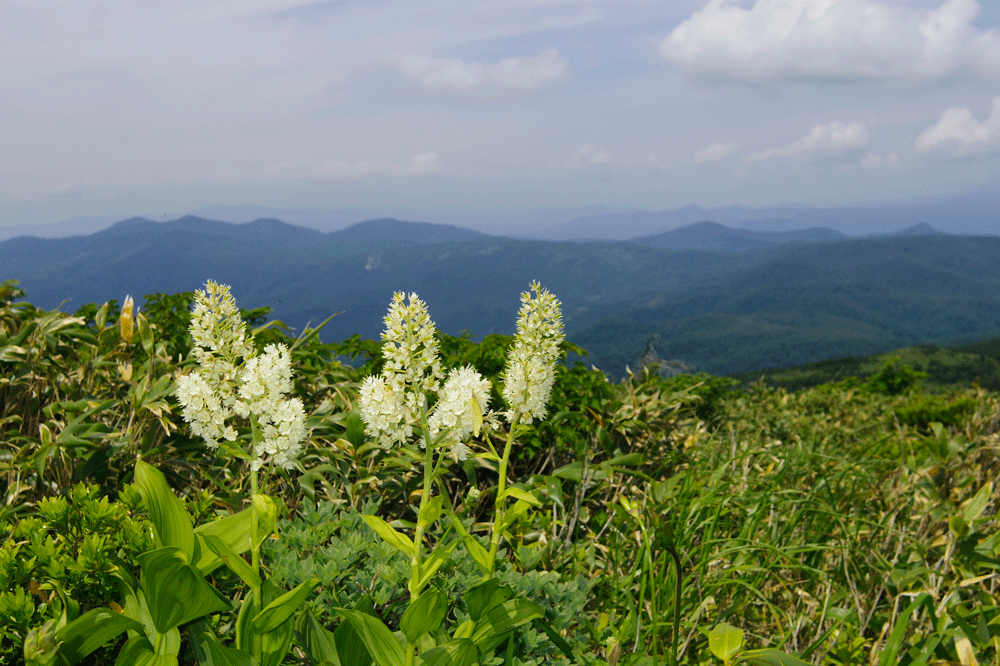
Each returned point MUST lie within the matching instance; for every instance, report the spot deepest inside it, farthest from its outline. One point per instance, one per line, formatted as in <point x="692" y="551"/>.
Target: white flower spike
<point x="530" y="371"/>
<point x="232" y="380"/>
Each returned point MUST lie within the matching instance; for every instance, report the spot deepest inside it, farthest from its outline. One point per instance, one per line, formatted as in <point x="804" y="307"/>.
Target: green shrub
<point x="72" y="543"/>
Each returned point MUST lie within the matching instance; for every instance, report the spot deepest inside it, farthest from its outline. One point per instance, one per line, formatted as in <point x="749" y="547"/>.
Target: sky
<point x="425" y="109"/>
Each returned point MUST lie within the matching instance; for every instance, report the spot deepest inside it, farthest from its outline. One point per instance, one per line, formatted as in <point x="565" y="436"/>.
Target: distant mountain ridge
<point x="753" y="300"/>
<point x="715" y="237"/>
<point x="974" y="212"/>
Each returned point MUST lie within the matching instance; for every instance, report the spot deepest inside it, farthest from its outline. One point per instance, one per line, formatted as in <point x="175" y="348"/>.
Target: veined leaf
<point x="402" y="543"/>
<point x="424" y="615"/>
<point x="522" y="495"/>
<point x="90" y="631"/>
<point x="381" y="644"/>
<point x="282" y="608"/>
<point x="233" y="560"/>
<point x="170" y="519"/>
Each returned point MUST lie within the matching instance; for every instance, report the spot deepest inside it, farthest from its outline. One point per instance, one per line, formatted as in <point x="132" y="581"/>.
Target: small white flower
<point x="530" y="370"/>
<point x="410" y="351"/>
<point x="232" y="380"/>
<point x="392" y="402"/>
<point x="463" y="397"/>
<point x="383" y="412"/>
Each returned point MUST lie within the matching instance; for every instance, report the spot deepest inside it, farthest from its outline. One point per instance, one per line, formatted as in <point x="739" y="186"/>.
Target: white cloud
<point x="958" y="133"/>
<point x="832" y="137"/>
<point x="455" y="75"/>
<point x="715" y="152"/>
<point x="832" y="39"/>
<point x="587" y="154"/>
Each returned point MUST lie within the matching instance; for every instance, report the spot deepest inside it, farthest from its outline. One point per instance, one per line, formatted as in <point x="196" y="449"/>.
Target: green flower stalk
<point x="394" y="406"/>
<point x="233" y="382"/>
<point x="528" y="379"/>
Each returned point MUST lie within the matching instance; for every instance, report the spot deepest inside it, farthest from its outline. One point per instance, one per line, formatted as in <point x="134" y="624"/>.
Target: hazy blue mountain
<point x="140" y="256"/>
<point x="921" y="229"/>
<point x="722" y="312"/>
<point x="715" y="237"/>
<point x="803" y="303"/>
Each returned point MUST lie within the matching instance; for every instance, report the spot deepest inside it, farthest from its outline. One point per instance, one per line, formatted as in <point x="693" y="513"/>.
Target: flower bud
<point x="40" y="644"/>
<point x="125" y="321"/>
<point x="614" y="651"/>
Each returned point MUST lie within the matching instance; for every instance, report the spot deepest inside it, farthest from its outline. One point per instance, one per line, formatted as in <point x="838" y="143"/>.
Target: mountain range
<point x="972" y="212"/>
<point x="715" y="298"/>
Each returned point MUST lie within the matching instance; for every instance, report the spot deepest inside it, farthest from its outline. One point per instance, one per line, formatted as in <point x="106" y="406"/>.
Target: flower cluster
<point x="530" y="371"/>
<point x="459" y="411"/>
<point x="391" y="403"/>
<point x="394" y="402"/>
<point x="232" y="380"/>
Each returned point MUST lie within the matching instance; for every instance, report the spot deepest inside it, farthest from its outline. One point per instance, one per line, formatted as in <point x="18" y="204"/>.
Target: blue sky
<point x="426" y="109"/>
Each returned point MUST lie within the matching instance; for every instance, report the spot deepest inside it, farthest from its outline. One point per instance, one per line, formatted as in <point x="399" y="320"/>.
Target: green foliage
<point x="894" y="379"/>
<point x="72" y="544"/>
<point x="813" y="520"/>
<point x="923" y="410"/>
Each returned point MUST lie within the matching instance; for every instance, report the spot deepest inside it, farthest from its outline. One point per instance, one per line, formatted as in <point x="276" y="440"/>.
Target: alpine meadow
<point x="500" y="333"/>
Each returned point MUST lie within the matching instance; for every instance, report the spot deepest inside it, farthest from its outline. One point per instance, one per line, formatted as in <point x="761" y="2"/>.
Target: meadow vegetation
<point x="690" y="519"/>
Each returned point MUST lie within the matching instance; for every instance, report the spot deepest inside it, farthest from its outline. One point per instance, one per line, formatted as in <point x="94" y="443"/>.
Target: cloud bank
<point x="832" y="137"/>
<point x="817" y="40"/>
<point x="958" y="134"/>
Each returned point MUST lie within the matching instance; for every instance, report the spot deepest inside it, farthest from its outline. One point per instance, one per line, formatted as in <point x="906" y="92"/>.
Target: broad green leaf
<point x="233" y="560"/>
<point x="725" y="641"/>
<point x="517" y="493"/>
<point x="464" y="630"/>
<point x="170" y="519"/>
<point x="213" y="653"/>
<point x="460" y="652"/>
<point x="772" y="657"/>
<point x="138" y="651"/>
<point x="430" y="566"/>
<point x="350" y="646"/>
<point x="430" y="511"/>
<point x="319" y="643"/>
<point x="977" y="504"/>
<point x="424" y="615"/>
<point x="628" y="459"/>
<point x="90" y="631"/>
<point x="402" y="543"/>
<point x="267" y="513"/>
<point x="485" y="596"/>
<point x="895" y="641"/>
<point x="234" y="530"/>
<point x="282" y="608"/>
<point x="381" y="644"/>
<point x="176" y="592"/>
<point x="511" y="515"/>
<point x="492" y="629"/>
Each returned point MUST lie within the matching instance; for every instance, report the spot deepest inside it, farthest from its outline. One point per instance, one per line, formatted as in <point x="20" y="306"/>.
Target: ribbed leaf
<point x="170" y="519"/>
<point x="283" y="607"/>
<point x="90" y="631"/>
<point x="402" y="543"/>
<point x="381" y="644"/>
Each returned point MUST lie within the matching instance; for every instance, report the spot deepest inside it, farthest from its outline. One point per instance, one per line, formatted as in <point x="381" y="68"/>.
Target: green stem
<point x="677" y="602"/>
<point x="254" y="527"/>
<point x="499" y="504"/>
<point x="418" y="538"/>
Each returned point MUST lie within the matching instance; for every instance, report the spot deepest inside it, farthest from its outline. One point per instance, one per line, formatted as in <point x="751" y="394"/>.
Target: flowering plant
<point x="231" y="382"/>
<point x="400" y="411"/>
